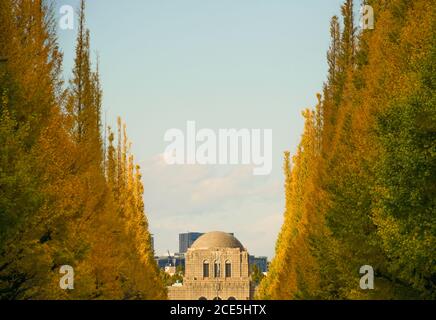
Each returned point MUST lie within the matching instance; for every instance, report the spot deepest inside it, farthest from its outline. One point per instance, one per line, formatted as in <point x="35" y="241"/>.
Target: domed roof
<point x="216" y="239"/>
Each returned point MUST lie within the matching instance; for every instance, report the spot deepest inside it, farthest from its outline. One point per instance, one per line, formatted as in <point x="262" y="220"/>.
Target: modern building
<point x="216" y="268"/>
<point x="187" y="239"/>
<point x="260" y="262"/>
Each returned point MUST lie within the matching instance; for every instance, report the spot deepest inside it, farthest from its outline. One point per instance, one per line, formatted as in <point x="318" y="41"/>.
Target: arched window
<point x="217" y="298"/>
<point x="231" y="298"/>
<point x="217" y="269"/>
<point x="202" y="298"/>
<point x="228" y="269"/>
<point x="205" y="269"/>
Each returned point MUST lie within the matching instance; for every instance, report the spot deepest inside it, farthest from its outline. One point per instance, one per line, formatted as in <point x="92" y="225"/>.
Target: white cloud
<point x="182" y="198"/>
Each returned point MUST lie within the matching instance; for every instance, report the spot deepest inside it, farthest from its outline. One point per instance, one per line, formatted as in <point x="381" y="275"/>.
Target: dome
<point x="216" y="239"/>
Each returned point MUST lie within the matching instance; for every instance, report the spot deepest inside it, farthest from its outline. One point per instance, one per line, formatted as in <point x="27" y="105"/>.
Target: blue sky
<point x="224" y="64"/>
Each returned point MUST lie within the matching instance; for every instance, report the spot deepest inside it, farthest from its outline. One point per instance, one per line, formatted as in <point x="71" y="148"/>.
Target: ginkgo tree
<point x="364" y="196"/>
<point x="64" y="199"/>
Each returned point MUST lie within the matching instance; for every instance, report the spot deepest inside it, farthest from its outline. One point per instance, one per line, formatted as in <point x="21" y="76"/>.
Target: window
<point x="217" y="269"/>
<point x="205" y="269"/>
<point x="228" y="269"/>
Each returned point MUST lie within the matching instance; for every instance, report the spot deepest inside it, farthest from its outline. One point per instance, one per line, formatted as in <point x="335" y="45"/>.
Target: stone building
<point x="216" y="268"/>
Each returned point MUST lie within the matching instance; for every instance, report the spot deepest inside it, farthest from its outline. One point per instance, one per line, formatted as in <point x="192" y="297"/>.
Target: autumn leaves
<point x="66" y="196"/>
<point x="359" y="191"/>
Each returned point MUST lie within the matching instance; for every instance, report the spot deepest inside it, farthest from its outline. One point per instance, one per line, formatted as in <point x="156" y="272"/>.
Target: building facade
<point x="216" y="268"/>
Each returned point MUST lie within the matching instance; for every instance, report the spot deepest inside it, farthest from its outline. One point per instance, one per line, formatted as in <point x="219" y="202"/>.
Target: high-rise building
<point x="187" y="239"/>
<point x="152" y="243"/>
<point x="260" y="262"/>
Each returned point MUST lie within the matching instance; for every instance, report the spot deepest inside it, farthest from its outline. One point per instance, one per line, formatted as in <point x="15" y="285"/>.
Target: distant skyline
<point x="224" y="64"/>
